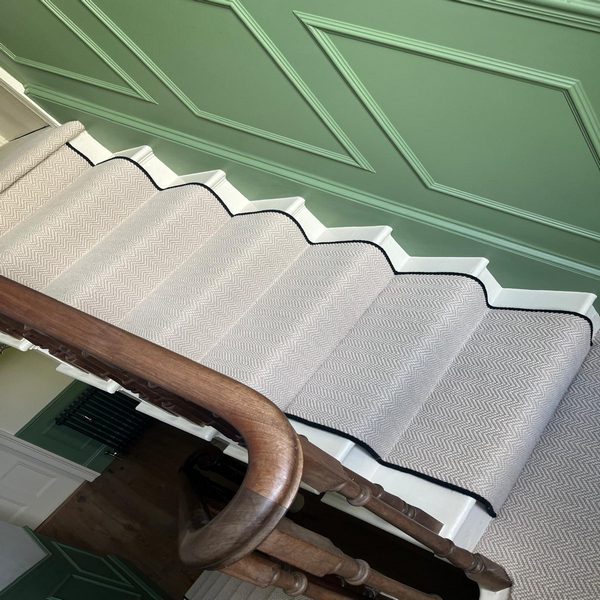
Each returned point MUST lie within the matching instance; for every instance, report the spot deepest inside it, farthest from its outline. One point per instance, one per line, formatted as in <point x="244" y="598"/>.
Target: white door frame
<point x="20" y="485"/>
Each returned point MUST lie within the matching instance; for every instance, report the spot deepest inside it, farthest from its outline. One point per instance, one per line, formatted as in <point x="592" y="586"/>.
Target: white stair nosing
<point x="445" y="264"/>
<point x="203" y="432"/>
<point x="547" y="300"/>
<point x="139" y="154"/>
<point x="291" y="206"/>
<point x="235" y="201"/>
<point x="212" y="179"/>
<point x="107" y="385"/>
<point x="316" y="232"/>
<point x="376" y="235"/>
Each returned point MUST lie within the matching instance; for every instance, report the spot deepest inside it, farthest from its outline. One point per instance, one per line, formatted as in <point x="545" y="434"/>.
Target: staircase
<point x="420" y="362"/>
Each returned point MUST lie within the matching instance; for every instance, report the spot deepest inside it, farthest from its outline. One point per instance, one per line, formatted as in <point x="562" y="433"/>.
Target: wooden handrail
<point x="275" y="454"/>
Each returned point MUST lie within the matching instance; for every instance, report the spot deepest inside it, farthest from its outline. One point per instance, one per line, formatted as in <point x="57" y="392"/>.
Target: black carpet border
<point x="455" y="488"/>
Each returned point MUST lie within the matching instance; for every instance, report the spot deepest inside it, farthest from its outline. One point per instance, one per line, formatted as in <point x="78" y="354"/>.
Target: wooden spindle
<point x="264" y="573"/>
<point x="488" y="574"/>
<point x="317" y="555"/>
<point x="325" y="474"/>
<point x="416" y="514"/>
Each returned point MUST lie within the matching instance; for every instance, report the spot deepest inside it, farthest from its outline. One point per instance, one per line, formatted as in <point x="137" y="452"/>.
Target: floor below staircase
<point x="131" y="510"/>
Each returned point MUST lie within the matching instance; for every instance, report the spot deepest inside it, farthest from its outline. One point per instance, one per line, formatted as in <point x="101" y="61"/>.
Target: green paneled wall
<point x="67" y="573"/>
<point x="62" y="440"/>
<point x="470" y="126"/>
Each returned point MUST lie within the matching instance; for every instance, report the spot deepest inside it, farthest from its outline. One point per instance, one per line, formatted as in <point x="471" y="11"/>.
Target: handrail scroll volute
<point x="275" y="454"/>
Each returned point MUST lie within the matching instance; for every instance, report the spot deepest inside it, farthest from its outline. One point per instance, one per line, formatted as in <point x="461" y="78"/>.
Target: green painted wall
<point x="68" y="573"/>
<point x="470" y="126"/>
<point x="62" y="440"/>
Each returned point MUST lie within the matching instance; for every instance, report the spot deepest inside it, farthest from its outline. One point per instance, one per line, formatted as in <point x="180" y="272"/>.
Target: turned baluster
<point x="414" y="513"/>
<point x="263" y="573"/>
<point x="324" y="473"/>
<point x="317" y="555"/>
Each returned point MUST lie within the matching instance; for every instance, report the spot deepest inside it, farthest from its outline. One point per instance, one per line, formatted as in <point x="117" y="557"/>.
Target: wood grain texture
<point x="209" y="479"/>
<point x="326" y="474"/>
<point x="318" y="556"/>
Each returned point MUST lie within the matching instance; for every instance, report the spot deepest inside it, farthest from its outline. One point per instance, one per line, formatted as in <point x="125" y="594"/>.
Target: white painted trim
<point x="16" y="88"/>
<point x="22" y="345"/>
<point x="68" y="467"/>
<point x="90" y="148"/>
<point x="205" y="433"/>
<point x="108" y="385"/>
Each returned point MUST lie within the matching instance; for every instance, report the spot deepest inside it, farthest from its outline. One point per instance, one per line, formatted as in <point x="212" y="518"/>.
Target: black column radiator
<point x="110" y="419"/>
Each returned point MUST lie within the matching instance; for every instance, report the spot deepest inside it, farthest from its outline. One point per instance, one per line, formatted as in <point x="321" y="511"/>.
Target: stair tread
<point x="547" y="534"/>
<point x="23" y="154"/>
<point x="217" y="285"/>
<point x="127" y="265"/>
<point x="481" y="421"/>
<point x="48" y="242"/>
<point x="293" y="327"/>
<point x="381" y="373"/>
<point x="36" y="187"/>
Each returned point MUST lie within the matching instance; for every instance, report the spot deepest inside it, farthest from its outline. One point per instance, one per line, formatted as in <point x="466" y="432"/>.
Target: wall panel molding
<point x="571" y="89"/>
<point x="533" y="195"/>
<point x="584" y="14"/>
<point x="354" y="195"/>
<point x="354" y="157"/>
<point x="132" y="88"/>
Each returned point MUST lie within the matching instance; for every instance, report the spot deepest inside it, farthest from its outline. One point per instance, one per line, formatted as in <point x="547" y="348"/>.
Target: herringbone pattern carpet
<point x="482" y="420"/>
<point x="416" y="367"/>
<point x="201" y="301"/>
<point x="47" y="243"/>
<point x="44" y="181"/>
<point x="293" y="327"/>
<point x="25" y="153"/>
<point x="127" y="265"/>
<point x="547" y="534"/>
<point x="381" y="373"/>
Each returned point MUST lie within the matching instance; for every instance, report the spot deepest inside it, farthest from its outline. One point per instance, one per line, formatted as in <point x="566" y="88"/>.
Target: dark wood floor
<point x="131" y="510"/>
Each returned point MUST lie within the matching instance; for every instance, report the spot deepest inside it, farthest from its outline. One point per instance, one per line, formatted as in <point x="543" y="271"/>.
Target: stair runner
<point x="416" y="367"/>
